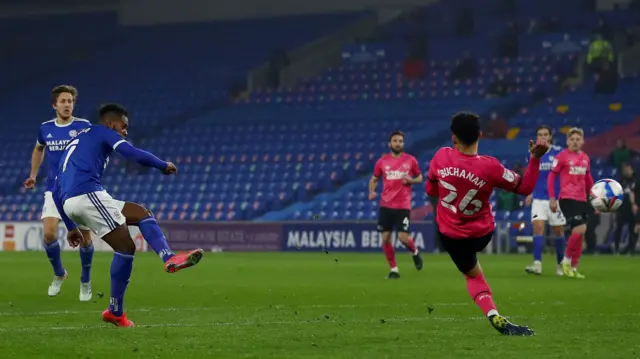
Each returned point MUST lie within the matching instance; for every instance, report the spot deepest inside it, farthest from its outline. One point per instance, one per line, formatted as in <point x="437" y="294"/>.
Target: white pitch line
<point x="261" y="307"/>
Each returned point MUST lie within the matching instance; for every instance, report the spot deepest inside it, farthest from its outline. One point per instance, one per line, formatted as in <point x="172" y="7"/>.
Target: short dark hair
<point x="112" y="108"/>
<point x="544" y="127"/>
<point x="466" y="127"/>
<point x="60" y="89"/>
<point x="396" y="133"/>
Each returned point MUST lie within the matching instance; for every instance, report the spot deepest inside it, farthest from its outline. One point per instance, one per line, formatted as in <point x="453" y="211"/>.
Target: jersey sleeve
<point x="111" y="138"/>
<point x="40" y="140"/>
<point x="415" y="168"/>
<point x="558" y="163"/>
<point x="503" y="177"/>
<point x="377" y="169"/>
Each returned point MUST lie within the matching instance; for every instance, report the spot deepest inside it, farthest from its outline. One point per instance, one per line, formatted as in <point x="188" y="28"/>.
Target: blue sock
<point x="538" y="247"/>
<point x="86" y="258"/>
<point x="155" y="238"/>
<point x="121" y="267"/>
<point x="53" y="252"/>
<point x="560" y="242"/>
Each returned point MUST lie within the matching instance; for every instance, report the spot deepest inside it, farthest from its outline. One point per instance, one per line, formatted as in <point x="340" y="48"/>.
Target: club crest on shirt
<point x="73" y="133"/>
<point x="508" y="175"/>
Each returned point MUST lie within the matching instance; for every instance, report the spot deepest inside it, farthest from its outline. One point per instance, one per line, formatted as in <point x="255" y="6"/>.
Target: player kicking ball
<point x="573" y="166"/>
<point x="82" y="201"/>
<point x="53" y="136"/>
<point x="399" y="170"/>
<point x="541" y="211"/>
<point x="463" y="181"/>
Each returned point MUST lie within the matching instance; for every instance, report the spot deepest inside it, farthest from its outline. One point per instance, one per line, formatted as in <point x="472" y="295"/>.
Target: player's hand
<point x="75" y="238"/>
<point x="372" y="196"/>
<point x="528" y="200"/>
<point x="553" y="205"/>
<point x="171" y="169"/>
<point x="539" y="148"/>
<point x="30" y="182"/>
<point x="406" y="179"/>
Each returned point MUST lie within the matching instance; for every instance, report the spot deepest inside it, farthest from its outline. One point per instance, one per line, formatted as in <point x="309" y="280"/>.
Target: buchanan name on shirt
<point x="460" y="173"/>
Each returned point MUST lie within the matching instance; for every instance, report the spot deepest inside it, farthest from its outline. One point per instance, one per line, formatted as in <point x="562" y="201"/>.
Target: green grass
<point x="297" y="305"/>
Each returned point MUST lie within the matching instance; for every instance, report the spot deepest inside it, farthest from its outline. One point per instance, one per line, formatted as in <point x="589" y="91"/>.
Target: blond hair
<point x="575" y="131"/>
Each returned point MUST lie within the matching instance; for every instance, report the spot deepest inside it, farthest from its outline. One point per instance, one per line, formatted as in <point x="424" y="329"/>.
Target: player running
<point x="399" y="170"/>
<point x="464" y="181"/>
<point x="541" y="212"/>
<point x="574" y="169"/>
<point x="80" y="198"/>
<point x="52" y="139"/>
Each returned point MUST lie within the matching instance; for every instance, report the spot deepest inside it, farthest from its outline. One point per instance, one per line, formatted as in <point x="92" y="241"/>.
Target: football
<point x="606" y="195"/>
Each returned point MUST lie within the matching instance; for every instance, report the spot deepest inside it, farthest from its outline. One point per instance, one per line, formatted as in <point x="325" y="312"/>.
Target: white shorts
<point x="49" y="209"/>
<point x="540" y="211"/>
<point x="97" y="211"/>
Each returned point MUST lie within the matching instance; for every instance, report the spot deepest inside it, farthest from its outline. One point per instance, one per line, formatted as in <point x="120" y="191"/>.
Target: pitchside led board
<point x="27" y="236"/>
<point x="256" y="237"/>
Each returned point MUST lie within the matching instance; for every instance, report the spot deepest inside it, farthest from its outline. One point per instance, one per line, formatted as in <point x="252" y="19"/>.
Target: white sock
<point x="415" y="253"/>
<point x="492" y="312"/>
<point x="566" y="260"/>
<point x="537" y="264"/>
<point x="394" y="269"/>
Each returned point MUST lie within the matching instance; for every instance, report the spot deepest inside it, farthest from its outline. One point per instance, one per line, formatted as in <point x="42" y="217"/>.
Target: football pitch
<point x="317" y="305"/>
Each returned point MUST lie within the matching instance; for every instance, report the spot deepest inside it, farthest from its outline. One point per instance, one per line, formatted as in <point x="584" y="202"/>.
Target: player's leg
<point x="99" y="212"/>
<point x="576" y="217"/>
<point x="539" y="217"/>
<point x="86" y="260"/>
<point x="631" y="224"/>
<point x="559" y="242"/>
<point x="617" y="234"/>
<point x="557" y="222"/>
<point x="137" y="215"/>
<point x="50" y="219"/>
<point x="402" y="224"/>
<point x="121" y="267"/>
<point x="385" y="226"/>
<point x="463" y="252"/>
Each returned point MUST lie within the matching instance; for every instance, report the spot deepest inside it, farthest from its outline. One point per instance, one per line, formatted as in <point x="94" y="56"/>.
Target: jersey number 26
<point x="464" y="203"/>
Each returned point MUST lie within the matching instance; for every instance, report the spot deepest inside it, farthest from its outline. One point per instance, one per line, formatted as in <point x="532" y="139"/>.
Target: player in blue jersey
<point x="81" y="200"/>
<point x="541" y="213"/>
<point x="52" y="139"/>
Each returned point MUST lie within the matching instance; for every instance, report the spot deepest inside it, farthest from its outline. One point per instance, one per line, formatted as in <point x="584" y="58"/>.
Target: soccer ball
<point x="606" y="195"/>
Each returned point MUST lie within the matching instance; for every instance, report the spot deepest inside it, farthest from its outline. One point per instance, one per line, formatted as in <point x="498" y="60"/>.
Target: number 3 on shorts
<point x="405" y="224"/>
<point x="466" y="200"/>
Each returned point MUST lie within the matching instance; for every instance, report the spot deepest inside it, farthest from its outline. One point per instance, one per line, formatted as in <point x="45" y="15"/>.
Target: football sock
<point x="559" y="242"/>
<point x="574" y="248"/>
<point x="86" y="258"/>
<point x="121" y="267"/>
<point x="411" y="246"/>
<point x="481" y="294"/>
<point x="390" y="253"/>
<point x="577" y="252"/>
<point x="538" y="247"/>
<point x="53" y="252"/>
<point x="155" y="238"/>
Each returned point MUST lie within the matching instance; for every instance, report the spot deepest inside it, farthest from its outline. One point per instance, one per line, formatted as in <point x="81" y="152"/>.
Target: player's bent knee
<point x="120" y="240"/>
<point x="50" y="237"/>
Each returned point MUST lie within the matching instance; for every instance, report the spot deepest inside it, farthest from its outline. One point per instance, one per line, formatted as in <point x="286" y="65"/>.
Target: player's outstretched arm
<point x="142" y="157"/>
<point x="373" y="183"/>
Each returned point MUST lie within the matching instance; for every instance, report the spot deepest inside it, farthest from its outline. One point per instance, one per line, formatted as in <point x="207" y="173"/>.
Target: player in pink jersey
<point x="463" y="181"/>
<point x="574" y="168"/>
<point x="399" y="171"/>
